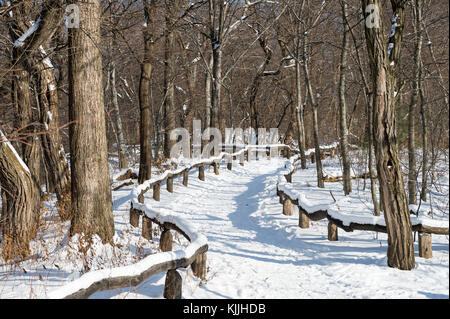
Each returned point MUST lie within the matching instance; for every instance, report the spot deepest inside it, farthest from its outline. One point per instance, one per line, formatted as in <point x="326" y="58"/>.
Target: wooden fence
<point x="169" y="261"/>
<point x="288" y="199"/>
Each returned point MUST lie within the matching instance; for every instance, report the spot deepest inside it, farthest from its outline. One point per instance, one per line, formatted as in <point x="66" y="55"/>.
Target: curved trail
<point x="256" y="252"/>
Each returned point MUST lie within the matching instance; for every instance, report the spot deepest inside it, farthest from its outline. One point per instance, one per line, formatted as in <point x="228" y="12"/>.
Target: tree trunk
<point x="320" y="182"/>
<point x="343" y="106"/>
<point x="169" y="77"/>
<point x="91" y="192"/>
<point x="122" y="147"/>
<point x="53" y="149"/>
<point x="299" y="112"/>
<point x="19" y="215"/>
<point x="145" y="128"/>
<point x="383" y="64"/>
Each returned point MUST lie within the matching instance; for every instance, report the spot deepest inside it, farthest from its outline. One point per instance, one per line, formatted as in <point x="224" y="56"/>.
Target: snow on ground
<point x="254" y="250"/>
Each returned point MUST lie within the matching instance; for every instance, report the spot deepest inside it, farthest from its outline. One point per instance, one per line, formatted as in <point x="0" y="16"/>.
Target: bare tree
<point x="384" y="59"/>
<point x="91" y="192"/>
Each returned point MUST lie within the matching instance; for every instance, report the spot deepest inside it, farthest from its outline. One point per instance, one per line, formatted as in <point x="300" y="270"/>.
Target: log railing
<point x="336" y="219"/>
<point x="169" y="261"/>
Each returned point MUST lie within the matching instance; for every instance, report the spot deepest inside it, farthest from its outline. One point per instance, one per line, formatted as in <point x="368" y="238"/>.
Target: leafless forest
<point x="132" y="70"/>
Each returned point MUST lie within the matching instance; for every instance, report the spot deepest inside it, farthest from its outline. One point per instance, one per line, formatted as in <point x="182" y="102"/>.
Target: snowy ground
<point x="254" y="250"/>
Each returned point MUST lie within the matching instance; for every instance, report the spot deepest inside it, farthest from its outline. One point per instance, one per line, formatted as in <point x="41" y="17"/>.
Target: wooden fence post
<point x="201" y="173"/>
<point x="169" y="184"/>
<point x="332" y="232"/>
<point x="425" y="246"/>
<point x="230" y="164"/>
<point x="287" y="206"/>
<point x="216" y="168"/>
<point x="288" y="177"/>
<point x="156" y="191"/>
<point x="303" y="219"/>
<point x="147" y="228"/>
<point x="185" y="177"/>
<point x="199" y="266"/>
<point x="134" y="217"/>
<point x="173" y="285"/>
<point x="165" y="243"/>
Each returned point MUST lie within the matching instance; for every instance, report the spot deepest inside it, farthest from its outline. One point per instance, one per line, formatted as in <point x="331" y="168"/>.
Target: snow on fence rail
<point x="349" y="222"/>
<point x="193" y="255"/>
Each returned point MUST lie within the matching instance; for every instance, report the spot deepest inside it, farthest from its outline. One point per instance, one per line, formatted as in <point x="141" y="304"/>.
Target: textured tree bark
<point x="318" y="161"/>
<point x="169" y="77"/>
<point x="343" y="106"/>
<point x="412" y="173"/>
<point x="383" y="61"/>
<point x="19" y="215"/>
<point x="122" y="147"/>
<point x="299" y="110"/>
<point x="145" y="127"/>
<point x="91" y="192"/>
<point x="53" y="149"/>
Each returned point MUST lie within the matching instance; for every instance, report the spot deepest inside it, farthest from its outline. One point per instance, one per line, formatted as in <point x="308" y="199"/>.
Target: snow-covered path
<point x="256" y="252"/>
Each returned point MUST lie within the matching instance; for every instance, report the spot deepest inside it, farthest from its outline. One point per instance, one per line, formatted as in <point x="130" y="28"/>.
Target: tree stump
<point x="425" y="246"/>
<point x="199" y="266"/>
<point x="332" y="232"/>
<point x="216" y="168"/>
<point x="156" y="192"/>
<point x="173" y="285"/>
<point x="185" y="177"/>
<point x="147" y="229"/>
<point x="134" y="217"/>
<point x="287" y="207"/>
<point x="303" y="219"/>
<point x="165" y="243"/>
<point x="201" y="173"/>
<point x="169" y="184"/>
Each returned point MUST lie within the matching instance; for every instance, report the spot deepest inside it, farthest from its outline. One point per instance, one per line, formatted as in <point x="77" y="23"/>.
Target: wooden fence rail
<point x="193" y="255"/>
<point x="334" y="222"/>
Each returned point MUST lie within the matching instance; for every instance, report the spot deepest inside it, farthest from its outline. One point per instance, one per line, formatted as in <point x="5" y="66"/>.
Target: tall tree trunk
<point x="19" y="215"/>
<point x="423" y="113"/>
<point x="208" y="91"/>
<point x="91" y="192"/>
<point x="123" y="157"/>
<point x="412" y="173"/>
<point x="373" y="185"/>
<point x="343" y="105"/>
<point x="320" y="182"/>
<point x="54" y="155"/>
<point x="169" y="76"/>
<point x="145" y="128"/>
<point x="299" y="110"/>
<point x="383" y="63"/>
